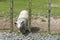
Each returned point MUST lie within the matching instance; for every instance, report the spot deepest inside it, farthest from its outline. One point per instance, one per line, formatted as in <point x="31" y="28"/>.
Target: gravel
<point x="30" y="36"/>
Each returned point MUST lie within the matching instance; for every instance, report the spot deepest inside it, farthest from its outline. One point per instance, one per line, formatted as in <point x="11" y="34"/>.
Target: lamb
<point x="22" y="21"/>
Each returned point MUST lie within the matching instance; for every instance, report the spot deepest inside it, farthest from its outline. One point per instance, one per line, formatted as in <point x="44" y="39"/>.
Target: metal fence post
<point x="49" y="14"/>
<point x="30" y="7"/>
<point x="11" y="15"/>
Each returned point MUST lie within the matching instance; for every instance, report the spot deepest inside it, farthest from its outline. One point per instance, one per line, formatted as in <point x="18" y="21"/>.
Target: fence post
<point x="30" y="7"/>
<point x="11" y="15"/>
<point x="49" y="14"/>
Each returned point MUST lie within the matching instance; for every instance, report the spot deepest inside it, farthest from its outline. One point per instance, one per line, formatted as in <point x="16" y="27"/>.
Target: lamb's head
<point x="19" y="23"/>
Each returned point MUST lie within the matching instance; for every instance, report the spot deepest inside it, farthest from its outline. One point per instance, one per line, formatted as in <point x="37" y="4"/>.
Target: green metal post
<point x="30" y="7"/>
<point x="11" y="15"/>
<point x="49" y="14"/>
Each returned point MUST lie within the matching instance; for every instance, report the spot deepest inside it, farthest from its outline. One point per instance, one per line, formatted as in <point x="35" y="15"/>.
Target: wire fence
<point x="41" y="15"/>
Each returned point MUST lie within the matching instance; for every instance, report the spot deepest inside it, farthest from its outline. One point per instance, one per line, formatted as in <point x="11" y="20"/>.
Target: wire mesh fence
<point x="40" y="20"/>
<point x="4" y="15"/>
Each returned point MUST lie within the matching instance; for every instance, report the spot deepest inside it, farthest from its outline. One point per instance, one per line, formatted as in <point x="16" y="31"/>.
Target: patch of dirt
<point x="5" y="24"/>
<point x="37" y="25"/>
<point x="43" y="25"/>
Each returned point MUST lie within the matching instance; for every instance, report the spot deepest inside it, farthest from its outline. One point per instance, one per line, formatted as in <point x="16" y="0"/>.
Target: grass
<point x="38" y="7"/>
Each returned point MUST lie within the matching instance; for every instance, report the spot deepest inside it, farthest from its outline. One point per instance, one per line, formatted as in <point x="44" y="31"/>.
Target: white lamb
<point x="22" y="21"/>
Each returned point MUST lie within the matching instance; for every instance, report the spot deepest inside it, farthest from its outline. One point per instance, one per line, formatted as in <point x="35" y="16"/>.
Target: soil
<point x="37" y="25"/>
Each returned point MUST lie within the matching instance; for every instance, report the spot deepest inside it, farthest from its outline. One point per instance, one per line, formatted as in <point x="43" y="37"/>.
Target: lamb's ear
<point x="22" y="22"/>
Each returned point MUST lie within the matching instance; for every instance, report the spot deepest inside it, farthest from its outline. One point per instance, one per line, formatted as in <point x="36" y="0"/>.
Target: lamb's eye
<point x="15" y="23"/>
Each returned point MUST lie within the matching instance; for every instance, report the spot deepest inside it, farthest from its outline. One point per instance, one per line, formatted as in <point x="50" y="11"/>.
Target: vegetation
<point x="38" y="7"/>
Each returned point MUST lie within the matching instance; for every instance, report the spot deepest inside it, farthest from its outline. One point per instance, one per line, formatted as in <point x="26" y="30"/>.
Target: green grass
<point x="38" y="7"/>
<point x="55" y="1"/>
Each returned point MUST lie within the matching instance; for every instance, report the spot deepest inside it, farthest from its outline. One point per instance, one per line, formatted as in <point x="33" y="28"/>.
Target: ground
<point x="37" y="25"/>
<point x="42" y="23"/>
